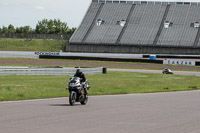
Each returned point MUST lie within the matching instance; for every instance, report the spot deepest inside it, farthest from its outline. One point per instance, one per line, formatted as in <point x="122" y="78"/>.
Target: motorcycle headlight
<point x="72" y="84"/>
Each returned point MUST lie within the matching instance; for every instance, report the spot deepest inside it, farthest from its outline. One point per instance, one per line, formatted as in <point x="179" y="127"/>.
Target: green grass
<point x="15" y="87"/>
<point x="7" y="44"/>
<point x="126" y="83"/>
<point x="106" y="66"/>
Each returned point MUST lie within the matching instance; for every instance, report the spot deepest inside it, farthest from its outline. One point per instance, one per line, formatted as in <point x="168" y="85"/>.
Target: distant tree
<point x="42" y="27"/>
<point x="4" y="29"/>
<point x="61" y="28"/>
<point x="71" y="31"/>
<point x="11" y="29"/>
<point x="19" y="30"/>
<point x="25" y="29"/>
<point x="51" y="27"/>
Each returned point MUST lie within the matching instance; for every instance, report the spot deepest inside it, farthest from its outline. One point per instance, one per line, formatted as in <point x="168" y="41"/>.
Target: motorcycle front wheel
<point x="72" y="98"/>
<point x="84" y="102"/>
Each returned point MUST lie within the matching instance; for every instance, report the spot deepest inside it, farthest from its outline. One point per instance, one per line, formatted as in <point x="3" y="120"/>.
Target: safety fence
<point x="29" y="54"/>
<point x="18" y="54"/>
<point x="59" y="71"/>
<point x="35" y="36"/>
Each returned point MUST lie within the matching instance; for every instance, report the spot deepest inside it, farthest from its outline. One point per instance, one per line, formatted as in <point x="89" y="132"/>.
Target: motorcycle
<point x="77" y="91"/>
<point x="167" y="71"/>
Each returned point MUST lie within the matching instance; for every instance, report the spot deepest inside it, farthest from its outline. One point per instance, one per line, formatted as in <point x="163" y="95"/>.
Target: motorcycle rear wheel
<point x="72" y="98"/>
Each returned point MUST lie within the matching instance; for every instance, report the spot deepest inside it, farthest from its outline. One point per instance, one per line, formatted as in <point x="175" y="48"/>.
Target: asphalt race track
<point x="172" y="112"/>
<point x="194" y="73"/>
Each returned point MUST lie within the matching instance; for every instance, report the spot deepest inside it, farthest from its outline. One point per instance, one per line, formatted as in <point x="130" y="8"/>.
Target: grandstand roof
<point x="152" y="0"/>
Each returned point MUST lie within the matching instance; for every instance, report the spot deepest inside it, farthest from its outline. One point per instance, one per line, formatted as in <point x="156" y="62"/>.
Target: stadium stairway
<point x="161" y="25"/>
<point x="125" y="26"/>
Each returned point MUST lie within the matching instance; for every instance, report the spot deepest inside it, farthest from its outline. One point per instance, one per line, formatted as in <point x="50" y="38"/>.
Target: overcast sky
<point x="28" y="12"/>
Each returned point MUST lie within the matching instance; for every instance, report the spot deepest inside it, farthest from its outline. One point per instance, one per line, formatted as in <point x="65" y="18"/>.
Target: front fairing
<point x="74" y="83"/>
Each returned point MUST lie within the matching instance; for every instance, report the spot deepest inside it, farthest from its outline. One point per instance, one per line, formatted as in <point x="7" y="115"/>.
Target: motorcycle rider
<point x="167" y="71"/>
<point x="81" y="75"/>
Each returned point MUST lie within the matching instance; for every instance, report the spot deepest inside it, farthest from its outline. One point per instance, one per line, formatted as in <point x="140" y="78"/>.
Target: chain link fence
<point x="35" y="36"/>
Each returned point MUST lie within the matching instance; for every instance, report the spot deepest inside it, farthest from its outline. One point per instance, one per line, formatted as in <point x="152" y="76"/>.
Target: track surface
<point x="95" y="64"/>
<point x="173" y="112"/>
<point x="155" y="71"/>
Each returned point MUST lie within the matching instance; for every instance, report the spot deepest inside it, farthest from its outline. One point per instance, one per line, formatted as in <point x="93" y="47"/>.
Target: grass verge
<point x="13" y="44"/>
<point x="13" y="87"/>
<point x="107" y="64"/>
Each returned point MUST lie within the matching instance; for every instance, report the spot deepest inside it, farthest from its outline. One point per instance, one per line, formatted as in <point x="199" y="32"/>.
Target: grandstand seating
<point x="109" y="31"/>
<point x="144" y="25"/>
<point x="198" y="43"/>
<point x="180" y="34"/>
<point x="114" y="30"/>
<point x="79" y="34"/>
<point x="190" y="33"/>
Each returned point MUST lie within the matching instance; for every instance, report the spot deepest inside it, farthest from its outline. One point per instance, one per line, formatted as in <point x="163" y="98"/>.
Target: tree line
<point x="52" y="26"/>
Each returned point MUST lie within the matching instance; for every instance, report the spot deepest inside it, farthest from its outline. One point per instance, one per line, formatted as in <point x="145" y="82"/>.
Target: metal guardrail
<point x="25" y="54"/>
<point x="46" y="71"/>
<point x="18" y="54"/>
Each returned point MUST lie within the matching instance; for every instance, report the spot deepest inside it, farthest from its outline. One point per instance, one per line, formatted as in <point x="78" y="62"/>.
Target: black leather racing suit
<point x="81" y="75"/>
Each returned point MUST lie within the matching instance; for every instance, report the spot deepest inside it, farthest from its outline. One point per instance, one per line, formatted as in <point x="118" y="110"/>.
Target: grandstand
<point x="139" y="27"/>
